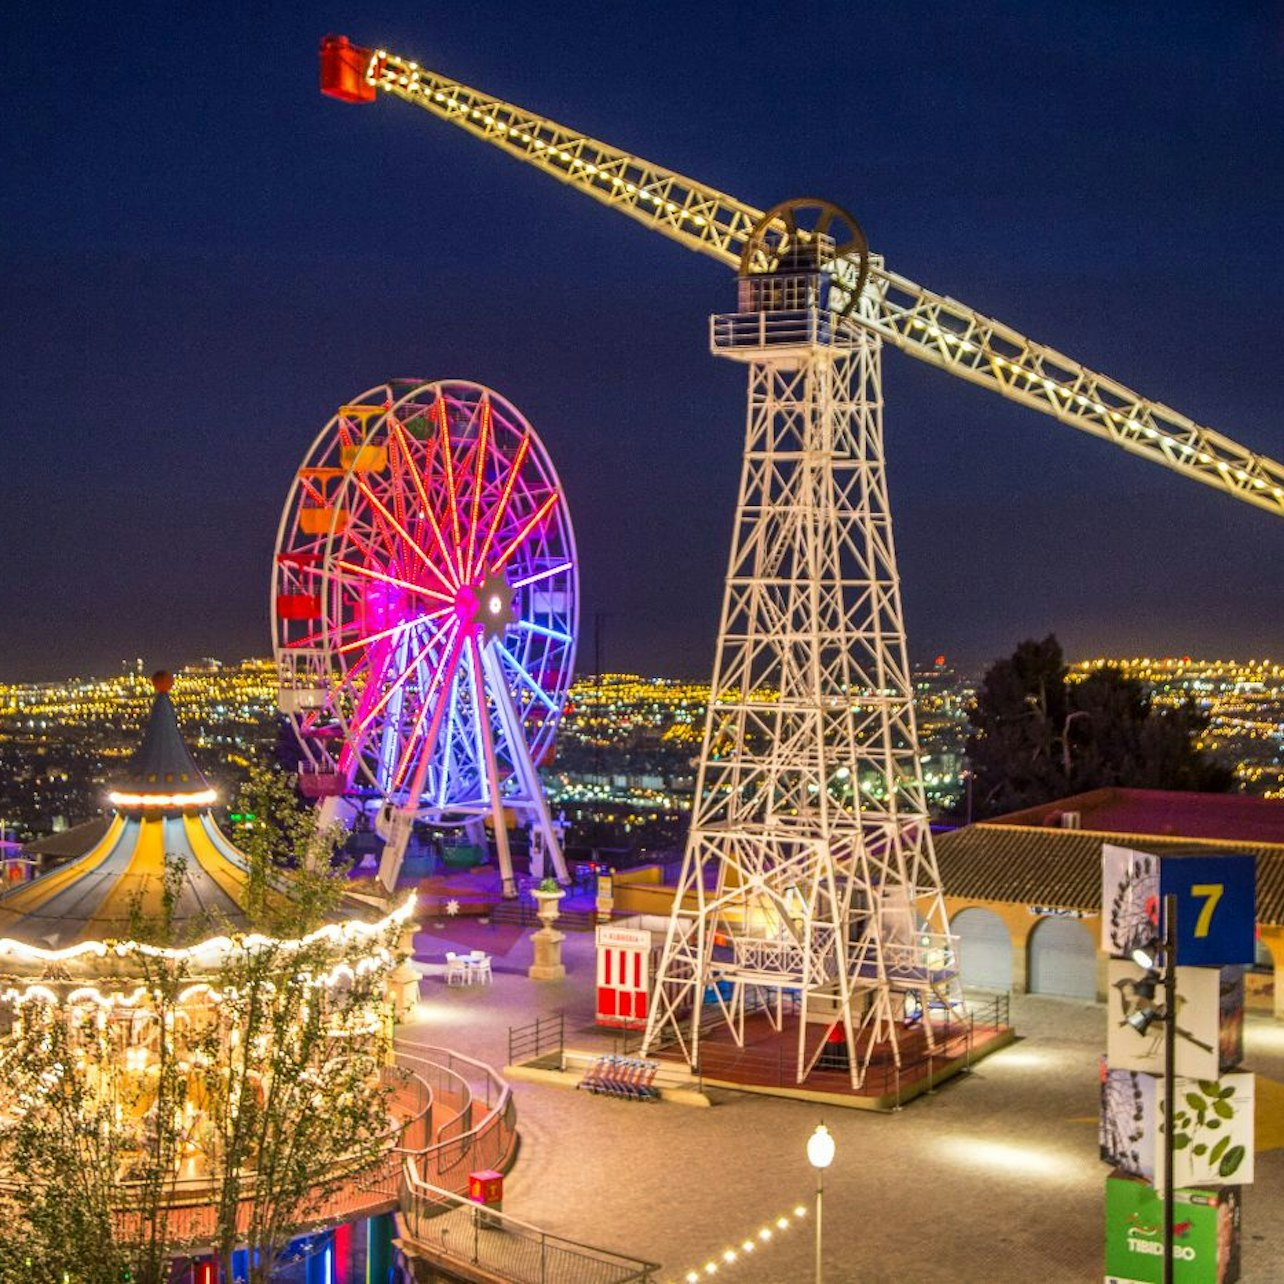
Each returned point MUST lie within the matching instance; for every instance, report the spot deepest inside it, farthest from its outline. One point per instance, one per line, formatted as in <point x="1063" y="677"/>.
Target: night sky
<point x="201" y="258"/>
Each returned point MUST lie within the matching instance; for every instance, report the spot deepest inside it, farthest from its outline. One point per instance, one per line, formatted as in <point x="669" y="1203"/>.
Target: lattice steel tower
<point x="809" y="869"/>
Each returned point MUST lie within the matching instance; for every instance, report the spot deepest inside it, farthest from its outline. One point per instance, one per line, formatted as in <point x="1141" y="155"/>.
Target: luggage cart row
<point x="628" y="1077"/>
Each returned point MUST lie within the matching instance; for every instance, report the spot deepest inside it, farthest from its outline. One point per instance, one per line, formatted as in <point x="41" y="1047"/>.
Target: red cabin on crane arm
<point x="343" y="70"/>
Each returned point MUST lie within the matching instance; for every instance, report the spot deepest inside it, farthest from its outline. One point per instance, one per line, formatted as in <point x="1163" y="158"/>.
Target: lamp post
<point x="1148" y="956"/>
<point x="820" y="1154"/>
<point x="1065" y="739"/>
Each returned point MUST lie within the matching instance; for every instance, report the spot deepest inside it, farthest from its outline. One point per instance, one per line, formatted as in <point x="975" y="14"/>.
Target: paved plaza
<point x="993" y="1177"/>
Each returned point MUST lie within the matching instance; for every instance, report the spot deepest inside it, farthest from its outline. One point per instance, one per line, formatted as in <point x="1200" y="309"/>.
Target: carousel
<point x="136" y="988"/>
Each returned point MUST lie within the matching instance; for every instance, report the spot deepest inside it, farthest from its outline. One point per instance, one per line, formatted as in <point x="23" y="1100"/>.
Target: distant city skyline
<point x="145" y="665"/>
<point x="625" y="747"/>
<point x="203" y="258"/>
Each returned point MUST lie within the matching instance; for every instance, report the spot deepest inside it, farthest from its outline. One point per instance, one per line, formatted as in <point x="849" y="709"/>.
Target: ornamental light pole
<point x="820" y="1154"/>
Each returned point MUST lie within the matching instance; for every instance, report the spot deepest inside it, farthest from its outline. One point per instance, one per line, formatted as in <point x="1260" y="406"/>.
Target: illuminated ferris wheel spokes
<point x="446" y="590"/>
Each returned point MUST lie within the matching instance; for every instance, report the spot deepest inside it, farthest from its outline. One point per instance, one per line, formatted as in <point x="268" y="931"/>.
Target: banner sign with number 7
<point x="1216" y="907"/>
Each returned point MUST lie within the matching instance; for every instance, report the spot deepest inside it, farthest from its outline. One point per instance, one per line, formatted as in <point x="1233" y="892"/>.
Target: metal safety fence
<point x="543" y="1037"/>
<point x="474" y="1117"/>
<point x="451" y="1229"/>
<point x="522" y="914"/>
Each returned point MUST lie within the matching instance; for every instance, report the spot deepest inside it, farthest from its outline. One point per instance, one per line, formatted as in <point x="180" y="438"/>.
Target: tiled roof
<point x="1162" y="813"/>
<point x="1034" y="865"/>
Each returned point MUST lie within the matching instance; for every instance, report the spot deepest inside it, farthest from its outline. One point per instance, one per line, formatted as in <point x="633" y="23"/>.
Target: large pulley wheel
<point x="806" y="235"/>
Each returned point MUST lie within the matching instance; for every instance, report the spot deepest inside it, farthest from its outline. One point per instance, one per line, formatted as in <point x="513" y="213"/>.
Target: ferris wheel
<point x="425" y="608"/>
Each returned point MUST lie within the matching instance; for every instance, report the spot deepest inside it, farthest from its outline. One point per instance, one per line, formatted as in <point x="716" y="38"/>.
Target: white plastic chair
<point x="479" y="968"/>
<point x="457" y="970"/>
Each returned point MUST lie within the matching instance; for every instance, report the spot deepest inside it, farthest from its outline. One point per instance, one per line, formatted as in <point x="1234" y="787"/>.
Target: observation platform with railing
<point x="780" y="311"/>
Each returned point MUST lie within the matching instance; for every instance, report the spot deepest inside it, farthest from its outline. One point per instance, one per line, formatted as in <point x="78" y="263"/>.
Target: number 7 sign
<point x="1215" y="907"/>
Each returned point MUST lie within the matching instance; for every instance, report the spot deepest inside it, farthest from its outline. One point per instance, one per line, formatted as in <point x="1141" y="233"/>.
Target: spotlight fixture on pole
<point x="1141" y="1011"/>
<point x="820" y="1154"/>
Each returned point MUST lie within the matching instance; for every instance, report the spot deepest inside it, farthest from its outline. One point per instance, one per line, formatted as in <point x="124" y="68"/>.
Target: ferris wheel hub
<point x="467" y="605"/>
<point x="486" y="607"/>
<point x="496" y="611"/>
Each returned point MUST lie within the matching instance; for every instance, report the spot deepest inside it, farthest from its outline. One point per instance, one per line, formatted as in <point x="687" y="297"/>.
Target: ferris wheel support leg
<point x="525" y="769"/>
<point x="502" y="852"/>
<point x="395" y="825"/>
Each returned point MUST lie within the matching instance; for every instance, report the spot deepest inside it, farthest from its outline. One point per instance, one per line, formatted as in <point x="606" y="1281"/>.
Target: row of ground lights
<point x="730" y="1256"/>
<point x="820" y="1154"/>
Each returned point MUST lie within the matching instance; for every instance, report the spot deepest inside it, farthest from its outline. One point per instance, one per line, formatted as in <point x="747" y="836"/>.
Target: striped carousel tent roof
<point x="92" y="897"/>
<point x="162" y="812"/>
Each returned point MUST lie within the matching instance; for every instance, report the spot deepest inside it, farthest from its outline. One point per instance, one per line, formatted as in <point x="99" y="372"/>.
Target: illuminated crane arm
<point x="928" y="326"/>
<point x="696" y="216"/>
<point x="948" y="334"/>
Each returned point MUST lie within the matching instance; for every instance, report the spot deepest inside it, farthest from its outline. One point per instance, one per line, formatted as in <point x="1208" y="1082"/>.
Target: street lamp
<point x="1170" y="1075"/>
<point x="820" y="1154"/>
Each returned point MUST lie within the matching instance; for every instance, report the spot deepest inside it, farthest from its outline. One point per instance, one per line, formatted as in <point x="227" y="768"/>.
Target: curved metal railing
<point x="451" y="1229"/>
<point x="479" y="1129"/>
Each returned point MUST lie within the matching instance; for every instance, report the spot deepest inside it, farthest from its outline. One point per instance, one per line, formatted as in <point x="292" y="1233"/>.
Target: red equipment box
<point x="486" y="1187"/>
<point x="624" y="963"/>
<point x="343" y="71"/>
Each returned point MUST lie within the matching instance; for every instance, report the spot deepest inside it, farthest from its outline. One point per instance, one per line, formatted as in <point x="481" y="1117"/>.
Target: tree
<point x="291" y="1078"/>
<point x="1036" y="737"/>
<point x="1116" y="736"/>
<point x="63" y="1138"/>
<point x="292" y="1073"/>
<point x="1016" y="718"/>
<point x="293" y="871"/>
<point x="98" y="1149"/>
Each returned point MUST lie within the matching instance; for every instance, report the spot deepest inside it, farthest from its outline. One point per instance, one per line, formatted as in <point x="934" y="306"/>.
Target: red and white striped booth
<point x="624" y="961"/>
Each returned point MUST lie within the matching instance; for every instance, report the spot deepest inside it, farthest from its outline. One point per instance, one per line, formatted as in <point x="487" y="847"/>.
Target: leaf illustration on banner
<point x="1210" y="1107"/>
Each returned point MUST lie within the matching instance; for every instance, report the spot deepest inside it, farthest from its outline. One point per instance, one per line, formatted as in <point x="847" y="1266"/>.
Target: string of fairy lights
<point x="215" y="947"/>
<point x="207" y="953"/>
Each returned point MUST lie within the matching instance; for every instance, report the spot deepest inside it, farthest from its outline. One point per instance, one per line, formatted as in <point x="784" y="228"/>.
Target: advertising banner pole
<point x="1170" y="1073"/>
